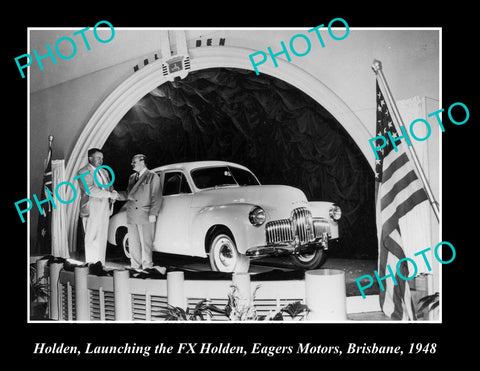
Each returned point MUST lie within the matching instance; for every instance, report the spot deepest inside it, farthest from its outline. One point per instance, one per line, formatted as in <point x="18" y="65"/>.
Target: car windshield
<point x="222" y="176"/>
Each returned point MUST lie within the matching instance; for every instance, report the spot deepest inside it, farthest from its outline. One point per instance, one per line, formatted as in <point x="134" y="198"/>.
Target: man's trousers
<point x="140" y="242"/>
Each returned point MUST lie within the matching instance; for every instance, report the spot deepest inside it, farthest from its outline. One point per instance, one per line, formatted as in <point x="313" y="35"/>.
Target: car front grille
<point x="303" y="225"/>
<point x="279" y="231"/>
<point x="300" y="226"/>
<point x="321" y="226"/>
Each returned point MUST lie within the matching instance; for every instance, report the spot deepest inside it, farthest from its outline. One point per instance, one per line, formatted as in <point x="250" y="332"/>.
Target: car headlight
<point x="257" y="216"/>
<point x="335" y="212"/>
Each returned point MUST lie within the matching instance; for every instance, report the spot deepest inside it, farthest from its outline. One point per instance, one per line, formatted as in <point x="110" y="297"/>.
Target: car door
<point x="174" y="219"/>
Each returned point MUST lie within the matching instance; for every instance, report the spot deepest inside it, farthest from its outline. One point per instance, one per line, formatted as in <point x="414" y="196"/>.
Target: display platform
<point x="92" y="292"/>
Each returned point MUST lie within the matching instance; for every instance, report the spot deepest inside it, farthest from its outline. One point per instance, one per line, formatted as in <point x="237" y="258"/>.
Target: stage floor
<point x="354" y="268"/>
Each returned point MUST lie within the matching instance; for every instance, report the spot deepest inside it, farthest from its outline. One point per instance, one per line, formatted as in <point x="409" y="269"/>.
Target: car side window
<point x="175" y="183"/>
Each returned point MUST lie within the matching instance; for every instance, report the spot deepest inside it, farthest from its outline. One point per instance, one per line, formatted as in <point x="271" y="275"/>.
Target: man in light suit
<point x="144" y="200"/>
<point x="95" y="206"/>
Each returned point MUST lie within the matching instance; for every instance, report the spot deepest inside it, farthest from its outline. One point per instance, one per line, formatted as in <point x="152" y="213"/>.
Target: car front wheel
<point x="224" y="256"/>
<point x="309" y="261"/>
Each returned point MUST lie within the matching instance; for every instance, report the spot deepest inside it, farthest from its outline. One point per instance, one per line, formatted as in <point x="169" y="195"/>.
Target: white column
<point x="55" y="309"/>
<point x="123" y="303"/>
<point x="325" y="295"/>
<point x="81" y="294"/>
<point x="175" y="289"/>
<point x="432" y="314"/>
<point x="242" y="282"/>
<point x="181" y="42"/>
<point x="165" y="45"/>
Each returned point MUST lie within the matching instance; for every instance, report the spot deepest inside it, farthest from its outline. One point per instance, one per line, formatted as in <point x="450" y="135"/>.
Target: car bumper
<point x="288" y="248"/>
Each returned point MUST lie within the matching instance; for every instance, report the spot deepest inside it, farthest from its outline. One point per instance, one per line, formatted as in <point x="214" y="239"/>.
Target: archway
<point x="139" y="84"/>
<point x="274" y="129"/>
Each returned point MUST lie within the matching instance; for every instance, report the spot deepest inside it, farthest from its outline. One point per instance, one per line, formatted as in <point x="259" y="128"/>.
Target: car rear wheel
<point x="121" y="239"/>
<point x="224" y="256"/>
<point x="309" y="261"/>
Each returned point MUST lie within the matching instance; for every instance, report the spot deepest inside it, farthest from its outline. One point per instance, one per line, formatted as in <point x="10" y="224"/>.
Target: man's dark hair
<point x="92" y="151"/>
<point x="143" y="158"/>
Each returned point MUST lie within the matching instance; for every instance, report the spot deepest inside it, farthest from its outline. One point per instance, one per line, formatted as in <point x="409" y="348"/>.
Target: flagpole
<point x="49" y="152"/>
<point x="377" y="68"/>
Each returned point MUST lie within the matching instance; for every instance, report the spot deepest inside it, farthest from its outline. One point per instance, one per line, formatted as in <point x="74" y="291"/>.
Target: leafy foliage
<point x="200" y="313"/>
<point x="38" y="287"/>
<point x="38" y="290"/>
<point x="430" y="301"/>
<point x="236" y="309"/>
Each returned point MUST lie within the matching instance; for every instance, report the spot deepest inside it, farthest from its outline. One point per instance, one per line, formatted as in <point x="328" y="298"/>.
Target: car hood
<point x="269" y="197"/>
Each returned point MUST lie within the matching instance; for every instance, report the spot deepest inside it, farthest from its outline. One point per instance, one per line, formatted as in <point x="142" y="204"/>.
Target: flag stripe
<point x="392" y="223"/>
<point x="395" y="177"/>
<point x="398" y="294"/>
<point x="395" y="308"/>
<point x="392" y="167"/>
<point x="392" y="247"/>
<point x="400" y="198"/>
<point x="399" y="186"/>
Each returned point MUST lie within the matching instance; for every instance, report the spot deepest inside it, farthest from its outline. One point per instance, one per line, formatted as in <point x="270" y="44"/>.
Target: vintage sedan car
<point x="219" y="210"/>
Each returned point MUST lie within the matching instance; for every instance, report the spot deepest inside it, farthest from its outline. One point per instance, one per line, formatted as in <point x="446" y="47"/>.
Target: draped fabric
<point x="276" y="130"/>
<point x="59" y="219"/>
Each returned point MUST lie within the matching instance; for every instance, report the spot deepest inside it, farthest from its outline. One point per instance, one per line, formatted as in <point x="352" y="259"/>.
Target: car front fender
<point x="321" y="209"/>
<point x="232" y="216"/>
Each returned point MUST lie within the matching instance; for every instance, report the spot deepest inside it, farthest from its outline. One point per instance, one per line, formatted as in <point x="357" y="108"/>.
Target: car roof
<point x="189" y="166"/>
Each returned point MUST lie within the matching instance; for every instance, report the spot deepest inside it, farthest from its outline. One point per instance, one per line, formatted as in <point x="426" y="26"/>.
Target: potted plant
<point x="235" y="310"/>
<point x="38" y="295"/>
<point x="429" y="302"/>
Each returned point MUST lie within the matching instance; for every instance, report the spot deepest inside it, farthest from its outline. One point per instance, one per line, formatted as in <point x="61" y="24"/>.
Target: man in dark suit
<point x="95" y="206"/>
<point x="144" y="200"/>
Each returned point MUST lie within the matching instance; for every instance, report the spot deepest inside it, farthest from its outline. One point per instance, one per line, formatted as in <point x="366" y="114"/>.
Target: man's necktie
<point x="102" y="177"/>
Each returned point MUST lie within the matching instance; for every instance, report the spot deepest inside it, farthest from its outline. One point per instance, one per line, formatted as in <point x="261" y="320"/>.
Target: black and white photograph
<point x="197" y="180"/>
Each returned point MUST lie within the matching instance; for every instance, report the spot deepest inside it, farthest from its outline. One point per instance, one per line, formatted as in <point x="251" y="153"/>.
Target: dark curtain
<point x="276" y="130"/>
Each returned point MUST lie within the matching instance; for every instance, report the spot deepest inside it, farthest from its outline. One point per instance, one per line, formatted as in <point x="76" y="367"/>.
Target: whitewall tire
<point x="224" y="256"/>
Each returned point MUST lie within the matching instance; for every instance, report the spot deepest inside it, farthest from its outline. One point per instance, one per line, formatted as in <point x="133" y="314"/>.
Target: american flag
<point x="44" y="238"/>
<point x="398" y="192"/>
